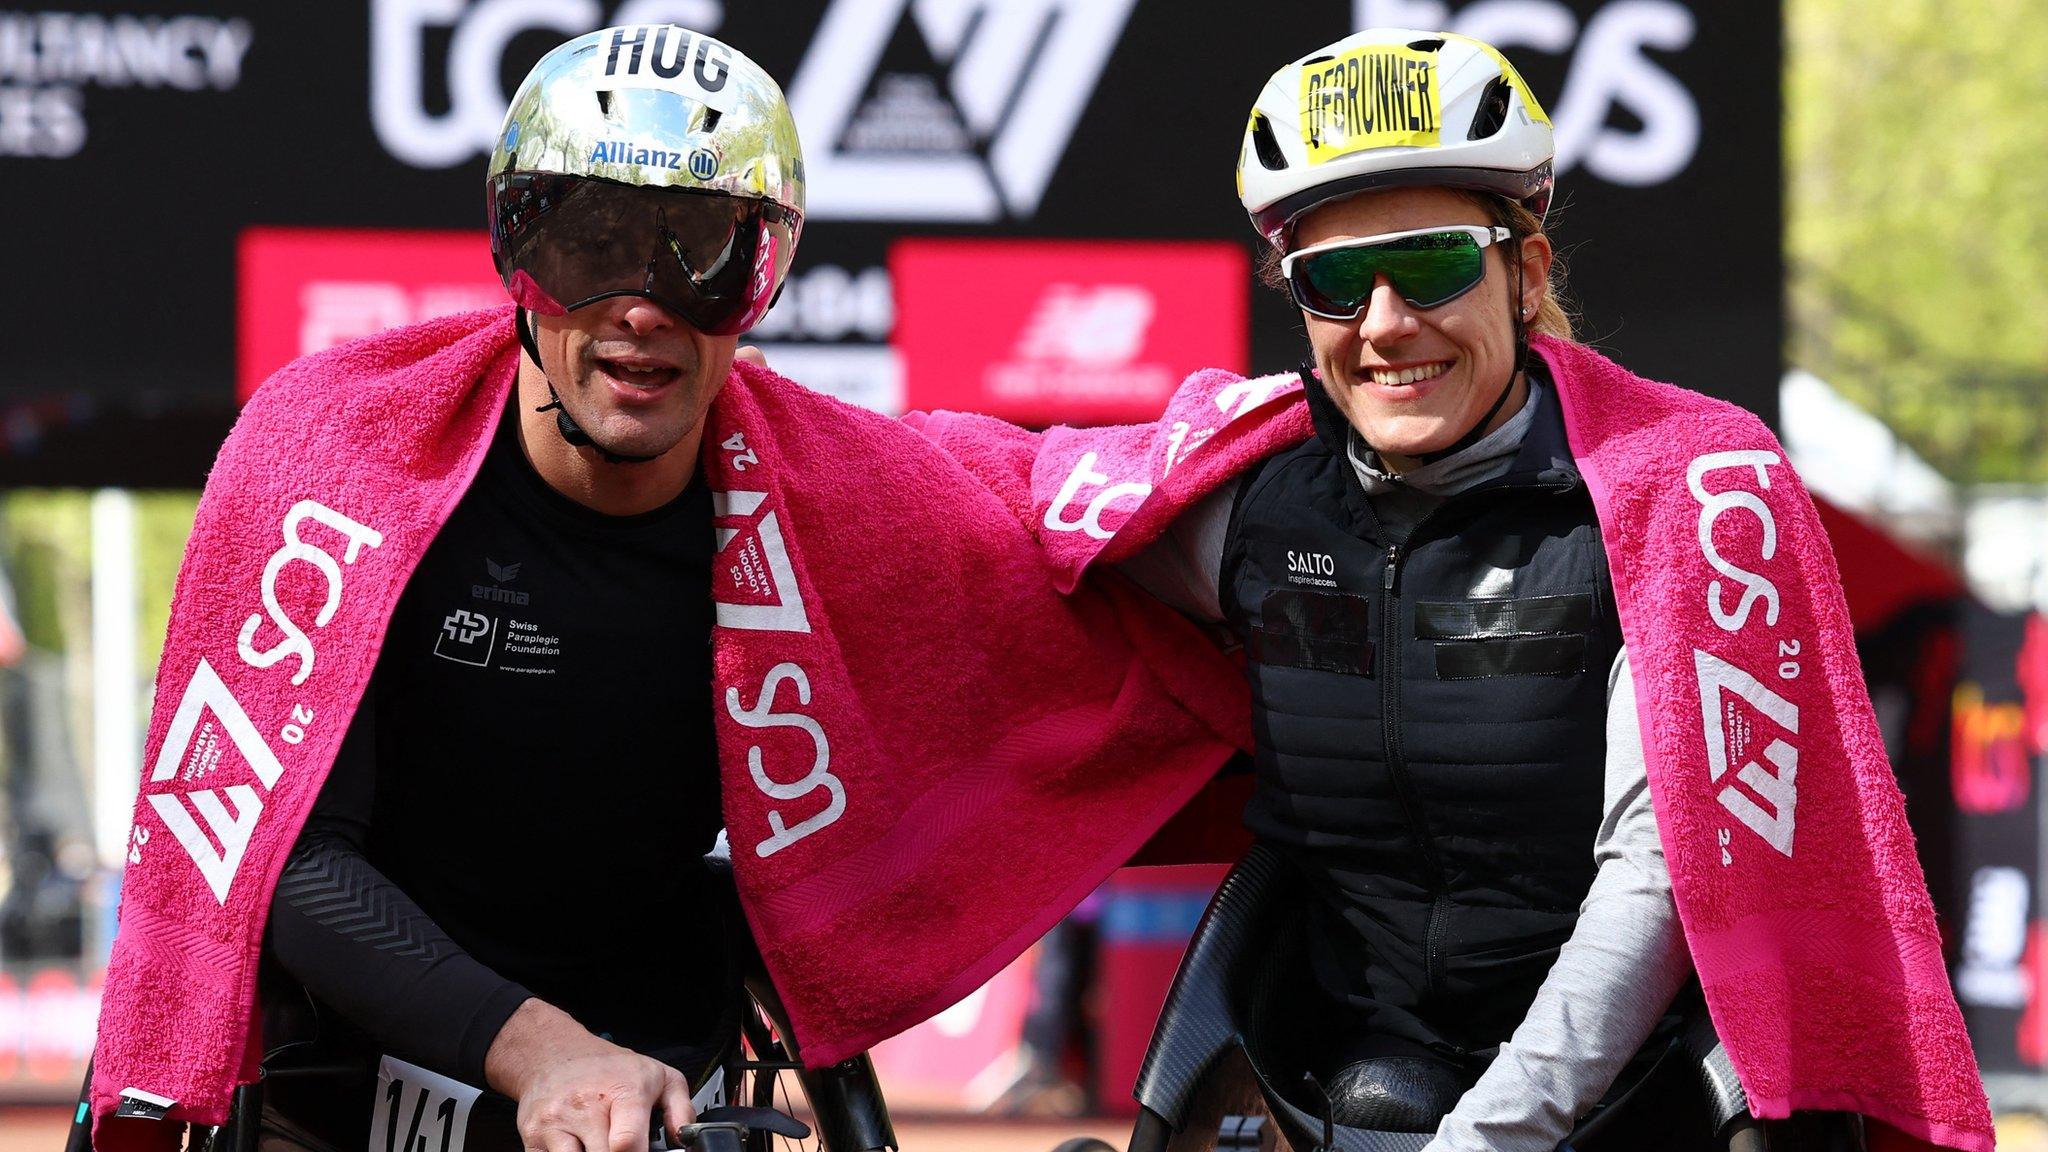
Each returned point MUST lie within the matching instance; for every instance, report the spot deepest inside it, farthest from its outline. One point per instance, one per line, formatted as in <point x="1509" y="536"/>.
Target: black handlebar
<point x="725" y="1129"/>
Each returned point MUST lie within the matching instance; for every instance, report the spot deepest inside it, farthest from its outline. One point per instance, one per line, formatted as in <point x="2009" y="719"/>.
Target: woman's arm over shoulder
<point x="1613" y="980"/>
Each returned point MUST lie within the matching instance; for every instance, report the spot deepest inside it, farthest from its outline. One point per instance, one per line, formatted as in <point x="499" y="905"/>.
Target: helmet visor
<point x="562" y="242"/>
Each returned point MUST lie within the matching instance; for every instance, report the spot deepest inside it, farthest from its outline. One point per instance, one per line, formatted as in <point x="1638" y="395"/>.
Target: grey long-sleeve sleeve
<point x="1611" y="983"/>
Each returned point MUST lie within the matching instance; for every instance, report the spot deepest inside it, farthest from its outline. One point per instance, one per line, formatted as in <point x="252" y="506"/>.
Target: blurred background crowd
<point x="1823" y="210"/>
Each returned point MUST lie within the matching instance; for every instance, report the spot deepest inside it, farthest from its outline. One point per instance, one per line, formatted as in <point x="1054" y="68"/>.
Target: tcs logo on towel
<point x="210" y="722"/>
<point x="754" y="588"/>
<point x="1730" y="729"/>
<point x="1097" y="494"/>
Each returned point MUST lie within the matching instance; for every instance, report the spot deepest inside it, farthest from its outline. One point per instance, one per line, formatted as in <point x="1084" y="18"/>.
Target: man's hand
<point x="752" y="355"/>
<point x="579" y="1093"/>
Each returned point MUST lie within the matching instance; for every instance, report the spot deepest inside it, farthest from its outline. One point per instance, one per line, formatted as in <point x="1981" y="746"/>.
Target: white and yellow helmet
<point x="1389" y="107"/>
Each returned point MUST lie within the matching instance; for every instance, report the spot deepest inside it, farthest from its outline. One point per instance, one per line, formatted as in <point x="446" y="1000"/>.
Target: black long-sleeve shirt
<point x="523" y="800"/>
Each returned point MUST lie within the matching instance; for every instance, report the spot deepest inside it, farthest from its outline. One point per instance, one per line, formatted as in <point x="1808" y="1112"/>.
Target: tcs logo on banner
<point x="973" y="136"/>
<point x="482" y="34"/>
<point x="1610" y="67"/>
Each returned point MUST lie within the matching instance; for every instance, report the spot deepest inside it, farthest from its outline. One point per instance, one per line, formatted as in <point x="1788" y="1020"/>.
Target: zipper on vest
<point x="1397" y="768"/>
<point x="1433" y="943"/>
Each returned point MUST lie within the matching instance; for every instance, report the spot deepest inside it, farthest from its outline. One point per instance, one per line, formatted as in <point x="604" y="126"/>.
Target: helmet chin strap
<point x="572" y="433"/>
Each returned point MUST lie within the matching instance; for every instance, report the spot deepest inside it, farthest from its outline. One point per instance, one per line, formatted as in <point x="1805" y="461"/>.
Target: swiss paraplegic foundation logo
<point x="467" y="637"/>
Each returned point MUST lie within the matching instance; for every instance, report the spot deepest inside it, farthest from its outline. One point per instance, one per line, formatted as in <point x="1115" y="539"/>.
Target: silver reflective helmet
<point x="647" y="160"/>
<point x="658" y="106"/>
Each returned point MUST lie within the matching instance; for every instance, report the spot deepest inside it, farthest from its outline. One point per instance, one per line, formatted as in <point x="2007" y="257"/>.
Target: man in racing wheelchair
<point x="493" y="889"/>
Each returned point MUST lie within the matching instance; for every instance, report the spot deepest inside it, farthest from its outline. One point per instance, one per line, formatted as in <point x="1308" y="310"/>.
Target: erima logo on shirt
<point x="501" y="574"/>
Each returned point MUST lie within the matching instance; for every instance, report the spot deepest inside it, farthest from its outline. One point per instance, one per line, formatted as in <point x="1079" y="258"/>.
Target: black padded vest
<point x="1430" y="716"/>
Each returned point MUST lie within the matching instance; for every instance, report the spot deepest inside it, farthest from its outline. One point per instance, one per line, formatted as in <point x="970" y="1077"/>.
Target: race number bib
<point x="418" y="1110"/>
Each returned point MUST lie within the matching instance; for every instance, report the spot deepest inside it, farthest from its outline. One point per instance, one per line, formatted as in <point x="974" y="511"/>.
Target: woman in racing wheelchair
<point x="1449" y="765"/>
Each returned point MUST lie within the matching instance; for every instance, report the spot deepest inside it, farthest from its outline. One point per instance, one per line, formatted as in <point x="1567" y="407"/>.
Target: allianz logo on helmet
<point x="699" y="162"/>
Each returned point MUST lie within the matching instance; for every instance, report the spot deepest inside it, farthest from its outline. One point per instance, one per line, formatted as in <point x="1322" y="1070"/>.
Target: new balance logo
<point x="754" y="585"/>
<point x="980" y="141"/>
<point x="1083" y="343"/>
<point x="1102" y="325"/>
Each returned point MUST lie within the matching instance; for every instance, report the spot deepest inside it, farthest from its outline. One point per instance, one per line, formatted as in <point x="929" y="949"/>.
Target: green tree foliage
<point x="1917" y="169"/>
<point x="46" y="547"/>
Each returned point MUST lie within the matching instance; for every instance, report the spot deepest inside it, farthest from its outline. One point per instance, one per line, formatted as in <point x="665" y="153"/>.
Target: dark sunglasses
<point x="562" y="242"/>
<point x="1427" y="266"/>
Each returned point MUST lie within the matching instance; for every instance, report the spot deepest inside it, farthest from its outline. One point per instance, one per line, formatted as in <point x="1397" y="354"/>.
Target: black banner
<point x="139" y="141"/>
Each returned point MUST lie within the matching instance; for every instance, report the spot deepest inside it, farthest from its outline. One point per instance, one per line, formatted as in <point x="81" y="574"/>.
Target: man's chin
<point x="635" y="447"/>
<point x="633" y="438"/>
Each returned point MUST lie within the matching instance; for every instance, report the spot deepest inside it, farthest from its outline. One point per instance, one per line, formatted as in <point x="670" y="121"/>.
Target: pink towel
<point x="1791" y="861"/>
<point x="928" y="751"/>
<point x="936" y="736"/>
<point x="1792" y="864"/>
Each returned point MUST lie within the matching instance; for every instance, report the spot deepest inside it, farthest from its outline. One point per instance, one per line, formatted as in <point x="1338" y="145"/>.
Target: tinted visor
<point x="562" y="242"/>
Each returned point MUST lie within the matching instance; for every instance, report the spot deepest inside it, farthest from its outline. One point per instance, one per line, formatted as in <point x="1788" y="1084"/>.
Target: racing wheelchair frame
<point x="1220" y="1073"/>
<point x="846" y="1103"/>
